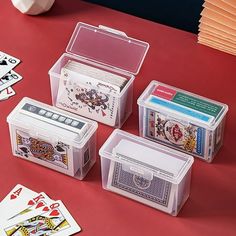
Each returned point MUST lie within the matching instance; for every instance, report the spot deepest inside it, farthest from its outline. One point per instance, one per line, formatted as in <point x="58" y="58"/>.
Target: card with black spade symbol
<point x="9" y="79"/>
<point x="7" y="63"/>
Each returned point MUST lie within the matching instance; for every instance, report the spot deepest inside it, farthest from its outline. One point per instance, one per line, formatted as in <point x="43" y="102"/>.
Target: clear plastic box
<point x="108" y="50"/>
<point x="53" y="138"/>
<point x="182" y="120"/>
<point x="147" y="172"/>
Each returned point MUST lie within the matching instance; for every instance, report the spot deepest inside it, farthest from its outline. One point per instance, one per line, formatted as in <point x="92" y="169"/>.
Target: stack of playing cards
<point x="24" y="212"/>
<point x="90" y="92"/>
<point x="145" y="172"/>
<point x="217" y="27"/>
<point x="8" y="77"/>
<point x="53" y="138"/>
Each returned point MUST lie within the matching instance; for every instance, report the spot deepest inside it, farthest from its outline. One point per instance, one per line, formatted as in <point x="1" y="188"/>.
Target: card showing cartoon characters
<point x="54" y="155"/>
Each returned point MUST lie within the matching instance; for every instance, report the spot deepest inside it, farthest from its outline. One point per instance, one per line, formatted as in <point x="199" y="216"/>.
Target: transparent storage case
<point x="147" y="172"/>
<point x="53" y="138"/>
<point x="182" y="120"/>
<point x="108" y="50"/>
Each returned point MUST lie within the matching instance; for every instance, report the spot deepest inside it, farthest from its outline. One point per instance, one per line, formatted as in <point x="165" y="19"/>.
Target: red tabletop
<point x="174" y="58"/>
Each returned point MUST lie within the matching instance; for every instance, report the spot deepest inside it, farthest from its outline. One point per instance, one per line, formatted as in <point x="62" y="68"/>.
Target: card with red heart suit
<point x="15" y="202"/>
<point x="8" y="77"/>
<point x="34" y="213"/>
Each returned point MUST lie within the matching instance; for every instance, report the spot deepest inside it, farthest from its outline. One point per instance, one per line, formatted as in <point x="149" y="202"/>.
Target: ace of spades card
<point x="88" y="101"/>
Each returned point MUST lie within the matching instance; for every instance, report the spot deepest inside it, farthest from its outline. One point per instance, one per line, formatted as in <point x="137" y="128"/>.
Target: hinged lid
<point x="182" y="106"/>
<point x="42" y="120"/>
<point x="108" y="47"/>
<point x="146" y="158"/>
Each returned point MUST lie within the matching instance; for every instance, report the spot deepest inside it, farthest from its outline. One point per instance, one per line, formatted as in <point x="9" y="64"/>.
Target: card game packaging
<point x="102" y="58"/>
<point x="182" y="120"/>
<point x="147" y="172"/>
<point x="53" y="138"/>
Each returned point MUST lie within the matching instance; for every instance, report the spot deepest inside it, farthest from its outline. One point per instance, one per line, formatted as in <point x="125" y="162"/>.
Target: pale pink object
<point x="33" y="7"/>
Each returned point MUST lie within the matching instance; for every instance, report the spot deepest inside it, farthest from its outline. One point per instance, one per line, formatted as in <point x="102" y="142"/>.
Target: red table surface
<point x="174" y="58"/>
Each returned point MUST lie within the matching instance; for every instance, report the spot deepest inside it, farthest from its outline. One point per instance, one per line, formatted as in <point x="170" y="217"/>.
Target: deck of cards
<point x="53" y="138"/>
<point x="217" y="27"/>
<point x="182" y="120"/>
<point x="24" y="212"/>
<point x="95" y="77"/>
<point x="8" y="76"/>
<point x="146" y="172"/>
<point x="90" y="92"/>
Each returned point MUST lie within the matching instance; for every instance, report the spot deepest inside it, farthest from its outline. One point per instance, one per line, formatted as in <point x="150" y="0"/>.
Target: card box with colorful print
<point x="182" y="120"/>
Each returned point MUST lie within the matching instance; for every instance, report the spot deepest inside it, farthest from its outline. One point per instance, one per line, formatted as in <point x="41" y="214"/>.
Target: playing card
<point x="136" y="176"/>
<point x="156" y="193"/>
<point x="15" y="201"/>
<point x="35" y="203"/>
<point x="55" y="155"/>
<point x="181" y="135"/>
<point x="53" y="219"/>
<point x="75" y="74"/>
<point x="6" y="93"/>
<point x="9" y="79"/>
<point x="219" y="10"/>
<point x="84" y="100"/>
<point x="7" y="63"/>
<point x="94" y="76"/>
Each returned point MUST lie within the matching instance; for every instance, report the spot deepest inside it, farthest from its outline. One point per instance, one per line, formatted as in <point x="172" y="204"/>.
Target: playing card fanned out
<point x="34" y="214"/>
<point x="90" y="92"/>
<point x="8" y="77"/>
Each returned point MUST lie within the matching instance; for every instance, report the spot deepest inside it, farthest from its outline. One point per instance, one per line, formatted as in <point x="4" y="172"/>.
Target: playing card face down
<point x="157" y="192"/>
<point x="53" y="138"/>
<point x="181" y="120"/>
<point x="145" y="172"/>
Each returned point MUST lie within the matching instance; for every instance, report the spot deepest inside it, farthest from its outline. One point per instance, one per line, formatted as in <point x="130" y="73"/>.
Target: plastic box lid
<point x="187" y="106"/>
<point x="147" y="157"/>
<point x="50" y="123"/>
<point x="108" y="47"/>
